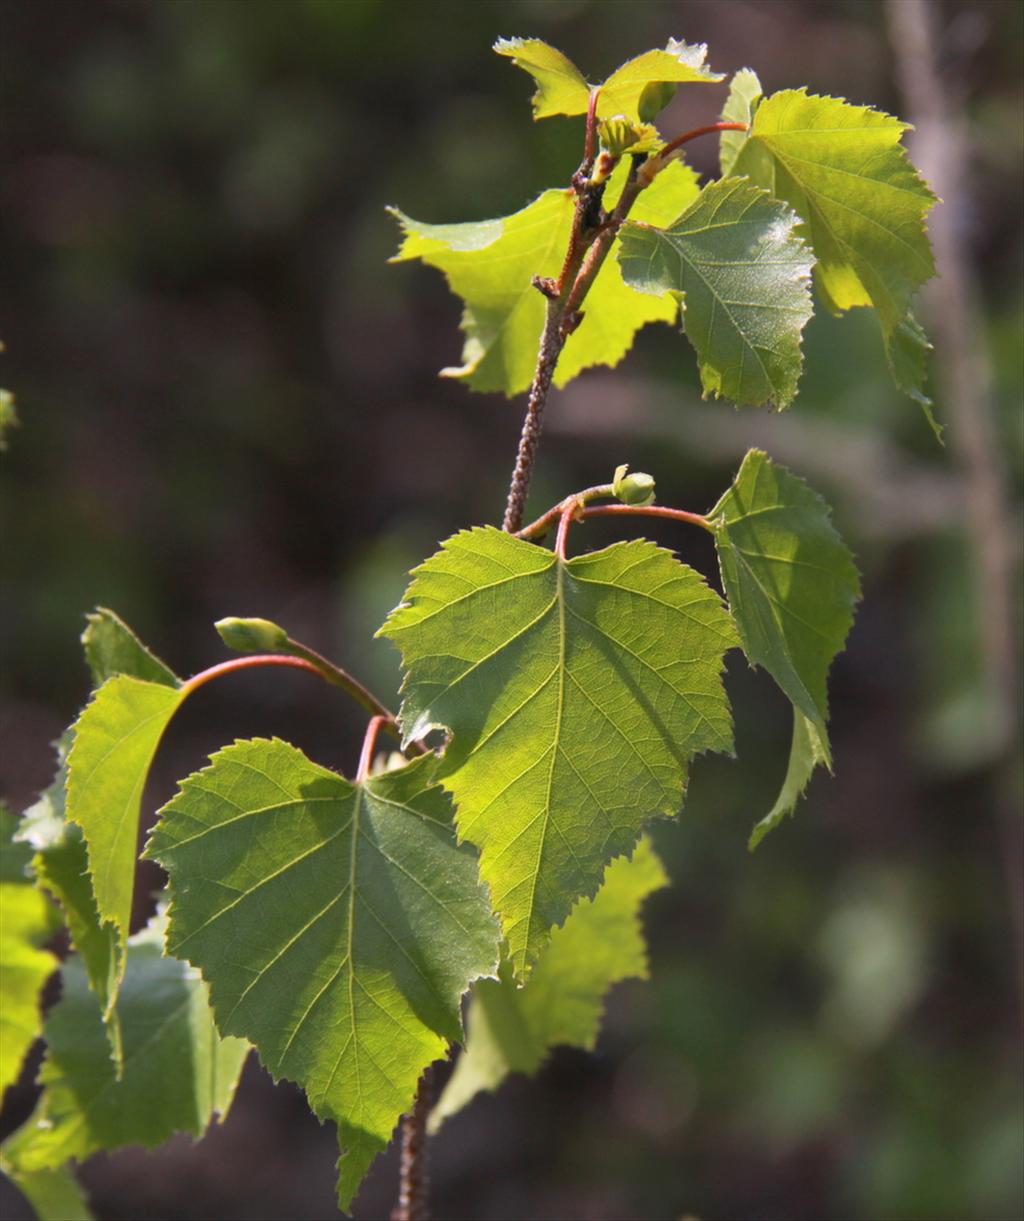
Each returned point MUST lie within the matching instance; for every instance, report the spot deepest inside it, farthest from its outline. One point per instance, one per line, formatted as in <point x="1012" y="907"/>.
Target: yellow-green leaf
<point x="576" y="692"/>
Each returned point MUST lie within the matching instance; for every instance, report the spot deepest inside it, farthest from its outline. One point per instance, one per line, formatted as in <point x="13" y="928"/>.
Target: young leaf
<point x="561" y="88"/>
<point x="115" y="740"/>
<point x="906" y="347"/>
<point x="178" y="1073"/>
<point x="55" y="1195"/>
<point x="338" y="925"/>
<point x="61" y="867"/>
<point x="490" y="265"/>
<point x="740" y="107"/>
<point x="512" y="1029"/>
<point x="28" y="921"/>
<point x="743" y="277"/>
<point x="111" y="647"/>
<point x="843" y="170"/>
<point x="575" y="693"/>
<point x="809" y="750"/>
<point x="792" y="586"/>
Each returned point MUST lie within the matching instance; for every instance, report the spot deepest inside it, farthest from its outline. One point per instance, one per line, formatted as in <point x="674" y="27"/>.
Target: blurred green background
<point x="229" y="405"/>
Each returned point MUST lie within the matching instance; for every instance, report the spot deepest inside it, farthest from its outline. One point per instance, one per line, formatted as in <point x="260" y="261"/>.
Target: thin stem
<point x="338" y="677"/>
<point x="246" y="663"/>
<point x="590" y="140"/>
<point x="570" y="511"/>
<point x="592" y="235"/>
<point x="322" y="668"/>
<point x="369" y="745"/>
<point x="414" y="1177"/>
<point x="679" y="141"/>
<point x="543" y="523"/>
<point x="693" y="519"/>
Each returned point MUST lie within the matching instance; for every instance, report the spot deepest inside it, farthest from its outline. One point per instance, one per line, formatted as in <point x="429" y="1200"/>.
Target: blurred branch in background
<point x="942" y="149"/>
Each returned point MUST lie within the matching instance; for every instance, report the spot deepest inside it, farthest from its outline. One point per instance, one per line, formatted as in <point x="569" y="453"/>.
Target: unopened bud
<point x="635" y="489"/>
<point x="252" y="635"/>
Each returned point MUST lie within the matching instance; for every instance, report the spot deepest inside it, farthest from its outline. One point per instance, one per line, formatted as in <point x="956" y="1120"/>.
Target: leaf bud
<point x="252" y="635"/>
<point x="635" y="489"/>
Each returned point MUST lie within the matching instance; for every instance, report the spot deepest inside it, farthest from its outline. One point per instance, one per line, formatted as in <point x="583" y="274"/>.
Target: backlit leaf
<point x="111" y="647"/>
<point x="792" y="586"/>
<point x="843" y="169"/>
<point x="338" y="925"/>
<point x="561" y="88"/>
<point x="512" y="1029"/>
<point x="490" y="265"/>
<point x="740" y="107"/>
<point x="678" y="63"/>
<point x="576" y="694"/>
<point x="115" y="740"/>
<point x="743" y="278"/>
<point x="61" y="867"/>
<point x="28" y="921"/>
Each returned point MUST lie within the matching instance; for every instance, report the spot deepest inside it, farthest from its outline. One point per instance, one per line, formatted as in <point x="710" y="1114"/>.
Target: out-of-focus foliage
<point x="228" y="401"/>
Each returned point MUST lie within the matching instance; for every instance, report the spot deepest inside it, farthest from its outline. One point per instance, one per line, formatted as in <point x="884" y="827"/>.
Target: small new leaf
<point x="743" y="277"/>
<point x="638" y="90"/>
<point x="177" y="1072"/>
<point x="512" y="1029"/>
<point x="338" y="926"/>
<point x="792" y="586"/>
<point x="111" y="647"/>
<point x="491" y="264"/>
<point x="679" y="63"/>
<point x="561" y="88"/>
<point x="576" y="693"/>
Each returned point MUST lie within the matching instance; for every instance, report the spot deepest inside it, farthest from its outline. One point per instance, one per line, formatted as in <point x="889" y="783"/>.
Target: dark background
<point x="229" y="405"/>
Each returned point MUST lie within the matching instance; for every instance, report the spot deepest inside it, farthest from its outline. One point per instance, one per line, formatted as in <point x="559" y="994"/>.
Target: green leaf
<point x="111" y="647"/>
<point x="843" y="169"/>
<point x="807" y="752"/>
<point x="743" y="277"/>
<point x="561" y="88"/>
<point x="178" y="1072"/>
<point x="740" y="107"/>
<point x="906" y="348"/>
<point x="490" y="265"/>
<point x="575" y="694"/>
<point x="513" y="1029"/>
<point x="28" y="921"/>
<point x="338" y="924"/>
<point x="678" y="63"/>
<point x="55" y="1195"/>
<point x="115" y="740"/>
<point x="792" y="586"/>
<point x="61" y="867"/>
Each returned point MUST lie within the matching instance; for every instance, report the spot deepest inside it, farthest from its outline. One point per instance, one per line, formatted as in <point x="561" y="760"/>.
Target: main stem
<point x="414" y="1177"/>
<point x="589" y="244"/>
